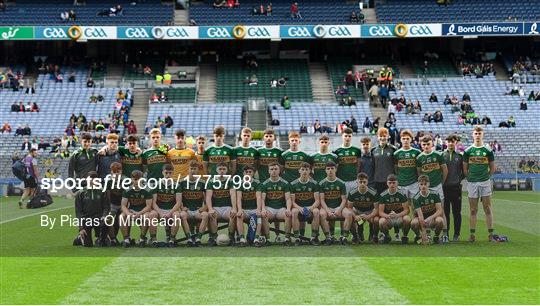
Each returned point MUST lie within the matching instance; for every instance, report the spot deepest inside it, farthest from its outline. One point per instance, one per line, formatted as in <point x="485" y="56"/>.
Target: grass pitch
<point x="39" y="266"/>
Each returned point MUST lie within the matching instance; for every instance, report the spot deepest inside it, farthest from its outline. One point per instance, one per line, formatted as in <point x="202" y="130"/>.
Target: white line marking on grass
<point x="34" y="214"/>
<point x="514" y="201"/>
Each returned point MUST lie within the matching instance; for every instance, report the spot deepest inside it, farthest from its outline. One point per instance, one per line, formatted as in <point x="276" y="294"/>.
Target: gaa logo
<point x="299" y="32"/>
<point x="380" y="31"/>
<point x="176" y="33"/>
<point x="214" y="32"/>
<point x="137" y="33"/>
<point x="95" y="33"/>
<point x="420" y="30"/>
<point x="339" y="32"/>
<point x="54" y="33"/>
<point x="258" y="32"/>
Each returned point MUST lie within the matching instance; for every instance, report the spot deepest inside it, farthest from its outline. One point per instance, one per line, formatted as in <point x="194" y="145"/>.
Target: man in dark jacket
<point x="108" y="156"/>
<point x="452" y="185"/>
<point x="383" y="160"/>
<point x="84" y="159"/>
<point x="91" y="208"/>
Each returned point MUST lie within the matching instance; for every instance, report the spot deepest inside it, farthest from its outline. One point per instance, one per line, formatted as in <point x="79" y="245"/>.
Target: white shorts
<point x="395" y="222"/>
<point x="223" y="212"/>
<point x="165" y="211"/>
<point x="350" y="185"/>
<point x="193" y="213"/>
<point x="410" y="191"/>
<point x="249" y="212"/>
<point x="438" y="189"/>
<point x="274" y="211"/>
<point x="479" y="189"/>
<point x="358" y="212"/>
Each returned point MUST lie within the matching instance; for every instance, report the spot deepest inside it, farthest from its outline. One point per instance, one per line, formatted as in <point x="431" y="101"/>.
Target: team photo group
<point x="358" y="193"/>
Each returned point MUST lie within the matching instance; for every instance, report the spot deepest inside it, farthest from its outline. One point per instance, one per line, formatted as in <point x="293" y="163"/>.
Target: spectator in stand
<point x="383" y="94"/>
<point x="354" y="17"/>
<point x="131" y="128"/>
<point x="427" y="118"/>
<point x="447" y="100"/>
<point x="90" y="83"/>
<point x="433" y="98"/>
<point x="438" y="117"/>
<point x="486" y="120"/>
<point x="64" y="16"/>
<point x="303" y="128"/>
<point x="163" y="97"/>
<point x="269" y="10"/>
<point x="466" y="97"/>
<point x="367" y="125"/>
<point x="147" y="70"/>
<point x="295" y="11"/>
<point x="417" y="107"/>
<point x="375" y="125"/>
<point x="26" y="145"/>
<point x="523" y="105"/>
<point x="154" y="98"/>
<point x="34" y="107"/>
<point x="168" y="120"/>
<point x="496" y="146"/>
<point x="2" y="6"/>
<point x="72" y="15"/>
<point x="511" y="121"/>
<point x="354" y="124"/>
<point x="349" y="78"/>
<point x="71" y="77"/>
<point x="373" y="94"/>
<point x="317" y="128"/>
<point x="219" y="3"/>
<point x="285" y="102"/>
<point x="409" y="109"/>
<point x="6" y="128"/>
<point x="351" y="101"/>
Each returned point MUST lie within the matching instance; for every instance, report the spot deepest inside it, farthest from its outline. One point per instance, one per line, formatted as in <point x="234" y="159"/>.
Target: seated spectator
<point x="466" y="107"/>
<point x="349" y="78"/>
<point x="466" y="97"/>
<point x="90" y="83"/>
<point x="131" y="128"/>
<point x="120" y="95"/>
<point x="163" y="97"/>
<point x="351" y="101"/>
<point x="254" y="10"/>
<point x="433" y="98"/>
<point x="523" y="105"/>
<point x="34" y="107"/>
<point x="303" y="128"/>
<point x="71" y="78"/>
<point x="342" y="90"/>
<point x="269" y="10"/>
<point x="486" y="120"/>
<point x="72" y="15"/>
<point x="30" y="90"/>
<point x="521" y="92"/>
<point x="417" y="107"/>
<point x="111" y="12"/>
<point x="273" y="83"/>
<point x="295" y="12"/>
<point x="511" y="121"/>
<point x="447" y="100"/>
<point x="154" y="98"/>
<point x="59" y="78"/>
<point x="168" y="120"/>
<point x="147" y="70"/>
<point x="461" y="120"/>
<point x="15" y="107"/>
<point x="409" y="108"/>
<point x="438" y="117"/>
<point x="274" y="122"/>
<point x="2" y="6"/>
<point x="354" y="17"/>
<point x="64" y="16"/>
<point x="26" y="130"/>
<point x="531" y="96"/>
<point x="282" y="81"/>
<point x="28" y="107"/>
<point x="427" y="118"/>
<point x="496" y="147"/>
<point x="262" y="10"/>
<point x="285" y="102"/>
<point x="219" y="3"/>
<point x="6" y="128"/>
<point x="253" y="80"/>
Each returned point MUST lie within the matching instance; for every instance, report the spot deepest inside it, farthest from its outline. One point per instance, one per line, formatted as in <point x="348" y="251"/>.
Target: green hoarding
<point x="14" y="33"/>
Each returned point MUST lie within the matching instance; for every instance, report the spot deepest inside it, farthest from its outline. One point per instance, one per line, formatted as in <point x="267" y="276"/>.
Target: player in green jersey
<point x="155" y="157"/>
<point x="219" y="153"/>
<point x="393" y="211"/>
<point x="194" y="212"/>
<point x="268" y="155"/>
<point x="429" y="212"/>
<point x="276" y="202"/>
<point x="137" y="206"/>
<point x="348" y="160"/>
<point x="245" y="154"/>
<point x="405" y="163"/>
<point x="248" y="203"/>
<point x="130" y="156"/>
<point x="478" y="167"/>
<point x="321" y="158"/>
<point x="167" y="201"/>
<point x="221" y="202"/>
<point x="333" y="197"/>
<point x="363" y="200"/>
<point x="305" y="203"/>
<point x="432" y="164"/>
<point x="293" y="158"/>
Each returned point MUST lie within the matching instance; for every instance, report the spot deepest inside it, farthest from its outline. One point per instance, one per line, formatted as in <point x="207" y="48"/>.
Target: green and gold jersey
<point x="154" y="159"/>
<point x="292" y="162"/>
<point x="136" y="198"/>
<point x="245" y="157"/>
<point x="406" y="166"/>
<point x="332" y="191"/>
<point x="304" y="192"/>
<point x="319" y="164"/>
<point x="392" y="201"/>
<point x="275" y="193"/>
<point x="426" y="203"/>
<point x="221" y="193"/>
<point x="249" y="195"/>
<point x="347" y="163"/>
<point x="478" y="159"/>
<point x="192" y="194"/>
<point x="165" y="196"/>
<point x="430" y="165"/>
<point x="266" y="158"/>
<point x="216" y="155"/>
<point x="130" y="161"/>
<point x="363" y="202"/>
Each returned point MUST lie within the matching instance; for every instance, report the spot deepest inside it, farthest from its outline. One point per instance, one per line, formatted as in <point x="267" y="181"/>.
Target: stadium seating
<point x="45" y="81"/>
<point x="436" y="68"/>
<point x="178" y="94"/>
<point x="231" y="76"/>
<point x="56" y="106"/>
<point x="312" y="11"/>
<point x="524" y="76"/>
<point x="487" y="98"/>
<point x="422" y="11"/>
<point x="337" y="69"/>
<point x="200" y="118"/>
<point x="148" y="12"/>
<point x="307" y="113"/>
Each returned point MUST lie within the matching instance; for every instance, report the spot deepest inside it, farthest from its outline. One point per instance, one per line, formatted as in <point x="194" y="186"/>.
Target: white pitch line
<point x="34" y="214"/>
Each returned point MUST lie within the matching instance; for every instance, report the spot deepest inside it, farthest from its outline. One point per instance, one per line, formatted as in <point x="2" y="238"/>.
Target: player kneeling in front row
<point x="305" y="204"/>
<point x="276" y="203"/>
<point x="363" y="200"/>
<point x="221" y="201"/>
<point x="91" y="208"/>
<point x="137" y="208"/>
<point x="166" y="201"/>
<point x="393" y="211"/>
<point x="248" y="205"/>
<point x="333" y="197"/>
<point x="428" y="208"/>
<point x="194" y="211"/>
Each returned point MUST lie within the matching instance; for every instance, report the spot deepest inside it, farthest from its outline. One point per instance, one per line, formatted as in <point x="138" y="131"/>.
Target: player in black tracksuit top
<point x="91" y="207"/>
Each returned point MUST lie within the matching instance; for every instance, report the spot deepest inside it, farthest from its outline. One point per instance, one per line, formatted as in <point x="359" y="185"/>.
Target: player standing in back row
<point x="383" y="160"/>
<point x="405" y="160"/>
<point x="478" y="167"/>
<point x="321" y="158"/>
<point x="268" y="155"/>
<point x="245" y="154"/>
<point x="155" y="157"/>
<point x="293" y="158"/>
<point x="219" y="153"/>
<point x="348" y="160"/>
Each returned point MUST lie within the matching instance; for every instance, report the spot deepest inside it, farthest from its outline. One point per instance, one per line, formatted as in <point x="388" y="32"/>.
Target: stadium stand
<point x="523" y="69"/>
<point x="200" y="118"/>
<point x="312" y="12"/>
<point x="149" y="12"/>
<point x="232" y="79"/>
<point x="178" y="94"/>
<point x="422" y="11"/>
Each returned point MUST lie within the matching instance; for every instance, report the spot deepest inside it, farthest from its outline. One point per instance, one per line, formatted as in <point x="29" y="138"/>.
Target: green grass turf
<point x="40" y="266"/>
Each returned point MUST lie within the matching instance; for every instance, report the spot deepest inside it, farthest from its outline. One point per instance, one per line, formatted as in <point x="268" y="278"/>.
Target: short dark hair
<point x="219" y="130"/>
<point x="331" y="164"/>
<point x="180" y="133"/>
<point x="136" y="174"/>
<point x="92" y="174"/>
<point x="426" y="138"/>
<point x="423" y="179"/>
<point x="168" y="167"/>
<point x="452" y="137"/>
<point x="222" y="165"/>
<point x="347" y="131"/>
<point x="86" y="136"/>
<point x="132" y="138"/>
<point x="269" y="131"/>
<point x="362" y="176"/>
<point x="248" y="167"/>
<point x="305" y="165"/>
<point x="391" y="177"/>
